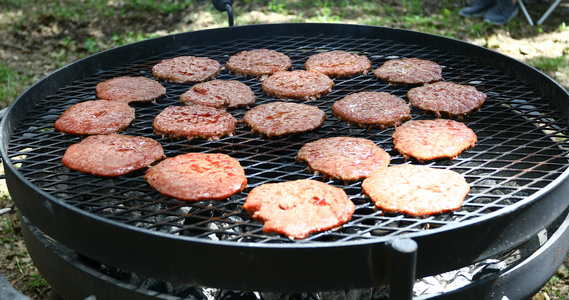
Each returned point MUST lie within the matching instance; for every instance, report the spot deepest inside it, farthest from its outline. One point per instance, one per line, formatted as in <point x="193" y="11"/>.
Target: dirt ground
<point x="41" y="46"/>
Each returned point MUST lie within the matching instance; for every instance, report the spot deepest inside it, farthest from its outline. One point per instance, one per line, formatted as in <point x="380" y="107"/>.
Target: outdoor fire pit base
<point x="73" y="276"/>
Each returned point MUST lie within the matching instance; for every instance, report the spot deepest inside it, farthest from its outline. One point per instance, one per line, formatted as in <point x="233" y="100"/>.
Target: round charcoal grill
<point x="517" y="171"/>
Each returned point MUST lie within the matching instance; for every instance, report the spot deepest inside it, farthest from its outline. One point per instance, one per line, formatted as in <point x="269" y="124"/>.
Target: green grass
<point x="9" y="87"/>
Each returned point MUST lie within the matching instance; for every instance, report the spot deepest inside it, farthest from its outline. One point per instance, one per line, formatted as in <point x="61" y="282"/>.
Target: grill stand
<point x="75" y="277"/>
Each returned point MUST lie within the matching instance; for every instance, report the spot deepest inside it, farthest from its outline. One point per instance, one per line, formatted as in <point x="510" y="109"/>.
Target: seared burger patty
<point x="409" y="71"/>
<point x="300" y="84"/>
<point x="338" y="64"/>
<point x="186" y="69"/>
<point x="282" y="118"/>
<point x="95" y="117"/>
<point x="112" y="155"/>
<point x="130" y="89"/>
<point x="433" y="139"/>
<point x="258" y="62"/>
<point x="446" y="98"/>
<point x="197" y="176"/>
<point x="219" y="94"/>
<point x="374" y="109"/>
<point x="345" y="158"/>
<point x="195" y="121"/>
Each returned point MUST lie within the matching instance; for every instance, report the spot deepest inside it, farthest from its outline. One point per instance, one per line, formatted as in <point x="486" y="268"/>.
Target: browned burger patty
<point x="298" y="208"/>
<point x="446" y="98"/>
<point x="196" y="121"/>
<point x="300" y="84"/>
<point x="416" y="190"/>
<point x="258" y="62"/>
<point x="112" y="155"/>
<point x="372" y="109"/>
<point x="433" y="139"/>
<point x="95" y="117"/>
<point x="130" y="89"/>
<point x="338" y="64"/>
<point x="345" y="158"/>
<point x="282" y="118"/>
<point x="197" y="176"/>
<point x="409" y="71"/>
<point x="186" y="69"/>
<point x="219" y="94"/>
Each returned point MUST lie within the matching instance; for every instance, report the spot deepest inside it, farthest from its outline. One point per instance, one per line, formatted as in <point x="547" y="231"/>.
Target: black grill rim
<point x="86" y="233"/>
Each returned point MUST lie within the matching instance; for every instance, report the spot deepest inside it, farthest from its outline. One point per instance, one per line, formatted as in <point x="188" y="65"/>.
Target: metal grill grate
<point x="521" y="147"/>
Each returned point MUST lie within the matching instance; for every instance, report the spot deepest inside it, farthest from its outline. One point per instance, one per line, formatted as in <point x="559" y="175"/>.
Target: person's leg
<point x="478" y="8"/>
<point x="502" y="12"/>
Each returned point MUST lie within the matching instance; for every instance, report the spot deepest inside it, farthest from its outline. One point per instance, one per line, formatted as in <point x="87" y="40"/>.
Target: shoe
<point x="477" y="9"/>
<point x="502" y="12"/>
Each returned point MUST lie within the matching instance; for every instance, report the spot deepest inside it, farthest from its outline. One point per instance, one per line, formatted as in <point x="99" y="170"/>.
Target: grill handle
<point x="225" y="5"/>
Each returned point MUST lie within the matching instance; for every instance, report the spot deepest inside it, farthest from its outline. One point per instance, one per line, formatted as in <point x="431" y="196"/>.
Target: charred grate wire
<point x="521" y="147"/>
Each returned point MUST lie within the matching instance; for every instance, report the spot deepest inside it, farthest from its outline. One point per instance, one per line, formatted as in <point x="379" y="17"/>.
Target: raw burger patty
<point x="258" y="62"/>
<point x="345" y="158"/>
<point x="409" y="71"/>
<point x="298" y="208"/>
<point x="446" y="98"/>
<point x="130" y="89"/>
<point x="300" y="84"/>
<point x="372" y="109"/>
<point x="112" y="154"/>
<point x="195" y="121"/>
<point x="281" y="118"/>
<point x="416" y="190"/>
<point x="95" y="117"/>
<point x="433" y="139"/>
<point x="197" y="176"/>
<point x="186" y="69"/>
<point x="338" y="64"/>
<point x="219" y="94"/>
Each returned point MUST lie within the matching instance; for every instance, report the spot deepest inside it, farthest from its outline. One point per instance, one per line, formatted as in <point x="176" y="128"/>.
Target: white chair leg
<point x="548" y="12"/>
<point x="525" y="11"/>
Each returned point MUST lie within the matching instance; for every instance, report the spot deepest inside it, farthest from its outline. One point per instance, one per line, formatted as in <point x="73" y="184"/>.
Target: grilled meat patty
<point x="345" y="158"/>
<point x="416" y="190"/>
<point x="373" y="109"/>
<point x="95" y="117"/>
<point x="433" y="139"/>
<point x="338" y="64"/>
<point x="130" y="89"/>
<point x="219" y="94"/>
<point x="195" y="121"/>
<point x="197" y="176"/>
<point x="258" y="62"/>
<point x="299" y="84"/>
<point x="112" y="155"/>
<point x="409" y="71"/>
<point x="277" y="119"/>
<point x="298" y="208"/>
<point x="446" y="98"/>
<point x="186" y="69"/>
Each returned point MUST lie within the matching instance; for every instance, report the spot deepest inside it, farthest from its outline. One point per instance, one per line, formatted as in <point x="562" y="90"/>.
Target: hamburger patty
<point x="300" y="84"/>
<point x="219" y="94"/>
<point x="446" y="98"/>
<point x="112" y="155"/>
<point x="372" y="109"/>
<point x="298" y="208"/>
<point x="345" y="158"/>
<point x="95" y="117"/>
<point x="258" y="62"/>
<point x="195" y="121"/>
<point x="281" y="118"/>
<point x="186" y="69"/>
<point x="416" y="190"/>
<point x="338" y="64"/>
<point x="130" y="89"/>
<point x="197" y="176"/>
<point x="433" y="139"/>
<point x="409" y="71"/>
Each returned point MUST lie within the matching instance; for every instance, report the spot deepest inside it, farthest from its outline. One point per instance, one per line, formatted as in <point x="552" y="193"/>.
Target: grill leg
<point x="402" y="269"/>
